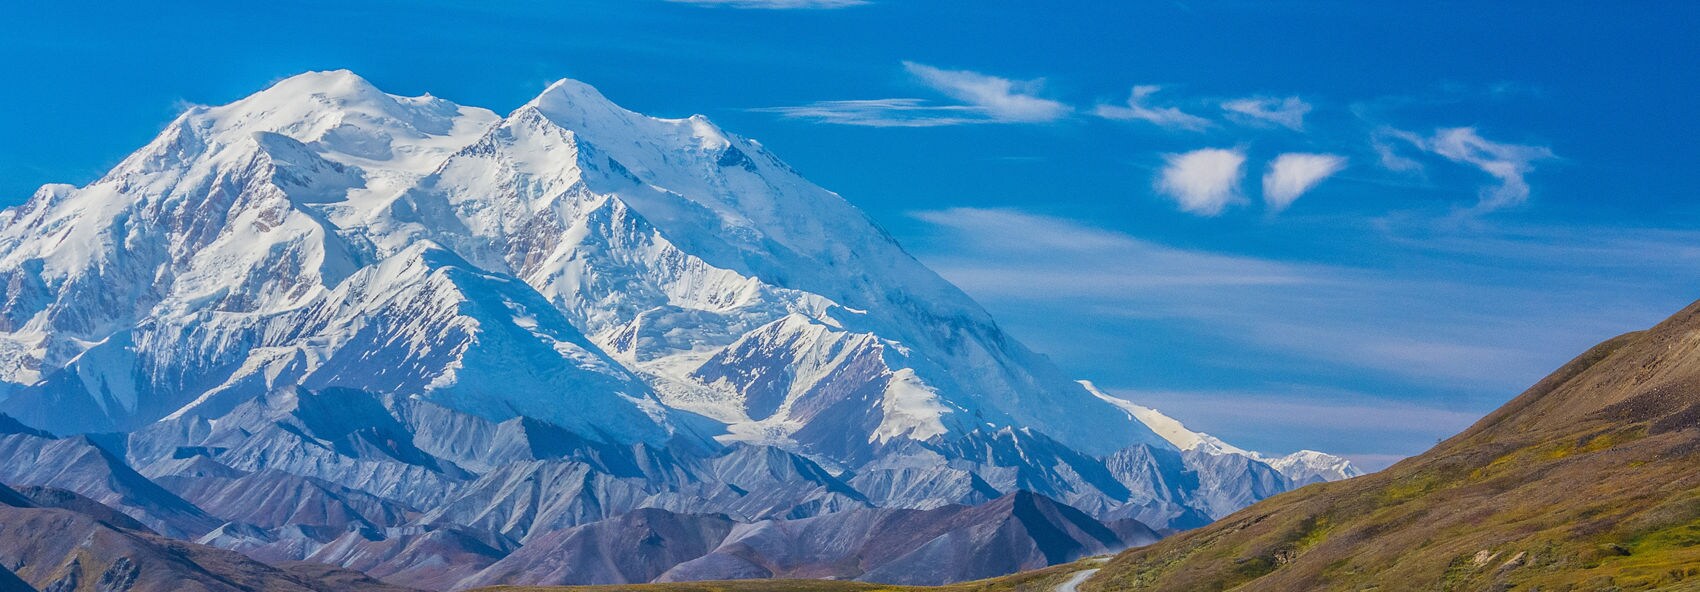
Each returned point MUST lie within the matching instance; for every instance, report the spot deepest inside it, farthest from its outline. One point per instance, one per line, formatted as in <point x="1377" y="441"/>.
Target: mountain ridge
<point x="391" y="332"/>
<point x="339" y="181"/>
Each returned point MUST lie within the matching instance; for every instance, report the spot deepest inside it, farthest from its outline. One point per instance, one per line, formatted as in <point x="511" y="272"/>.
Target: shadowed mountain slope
<point x="947" y="544"/>
<point x="65" y="550"/>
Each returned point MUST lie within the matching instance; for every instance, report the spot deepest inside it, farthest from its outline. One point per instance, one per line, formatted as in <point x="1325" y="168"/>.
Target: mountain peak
<point x="339" y="84"/>
<point x="347" y="119"/>
<point x="569" y="89"/>
<point x="582" y="108"/>
<point x="570" y="103"/>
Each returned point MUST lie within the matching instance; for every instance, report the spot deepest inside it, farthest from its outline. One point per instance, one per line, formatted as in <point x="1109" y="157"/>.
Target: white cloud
<point x="776" y="4"/>
<point x="1168" y="117"/>
<point x="1289" y="112"/>
<point x="1506" y="162"/>
<point x="1001" y="99"/>
<point x="1449" y="317"/>
<point x="881" y="113"/>
<point x="1509" y="163"/>
<point x="1292" y="174"/>
<point x="1382" y="141"/>
<point x="1203" y="181"/>
<point x="1491" y="311"/>
<point x="988" y="99"/>
<point x="1095" y="262"/>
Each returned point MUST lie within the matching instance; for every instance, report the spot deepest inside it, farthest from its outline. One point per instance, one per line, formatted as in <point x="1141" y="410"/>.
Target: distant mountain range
<point x="448" y="348"/>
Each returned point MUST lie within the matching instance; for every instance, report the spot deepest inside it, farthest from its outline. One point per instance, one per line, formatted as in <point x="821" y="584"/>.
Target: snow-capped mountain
<point x="324" y="233"/>
<point x="1302" y="467"/>
<point x="425" y="315"/>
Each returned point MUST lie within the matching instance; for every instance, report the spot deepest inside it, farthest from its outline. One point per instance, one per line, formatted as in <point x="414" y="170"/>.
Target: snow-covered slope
<point x="573" y="261"/>
<point x="1302" y="467"/>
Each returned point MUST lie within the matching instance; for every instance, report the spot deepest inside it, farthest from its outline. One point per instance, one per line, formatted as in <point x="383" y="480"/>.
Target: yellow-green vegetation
<point x="1589" y="481"/>
<point x="1042" y="580"/>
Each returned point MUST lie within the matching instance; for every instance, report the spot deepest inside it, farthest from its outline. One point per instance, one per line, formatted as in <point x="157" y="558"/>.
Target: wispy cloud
<point x="1485" y="309"/>
<point x="1002" y="99"/>
<point x="1206" y="182"/>
<point x="1141" y="266"/>
<point x="1203" y="181"/>
<point x="776" y="4"/>
<point x="881" y="113"/>
<point x="1288" y="112"/>
<point x="1294" y="173"/>
<point x="984" y="99"/>
<point x="1137" y="110"/>
<point x="1506" y="162"/>
<point x="1384" y="142"/>
<point x="1451" y="321"/>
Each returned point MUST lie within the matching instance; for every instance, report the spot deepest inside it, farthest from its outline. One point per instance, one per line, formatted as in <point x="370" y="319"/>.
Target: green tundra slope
<point x="1590" y="480"/>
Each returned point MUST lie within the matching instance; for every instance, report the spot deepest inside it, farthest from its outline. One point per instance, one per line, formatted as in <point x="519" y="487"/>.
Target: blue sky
<point x="1459" y="196"/>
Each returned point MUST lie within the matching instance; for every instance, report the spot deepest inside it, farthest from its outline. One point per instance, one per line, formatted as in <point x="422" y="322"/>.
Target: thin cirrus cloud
<point x="976" y="249"/>
<point x="776" y="4"/>
<point x="982" y="98"/>
<point x="1307" y="310"/>
<point x="1002" y="99"/>
<point x="1288" y="112"/>
<point x="881" y="113"/>
<point x="1384" y="141"/>
<point x="1204" y="181"/>
<point x="1138" y="110"/>
<point x="1455" y="317"/>
<point x="1295" y="173"/>
<point x="1506" y="162"/>
<point x="1509" y="163"/>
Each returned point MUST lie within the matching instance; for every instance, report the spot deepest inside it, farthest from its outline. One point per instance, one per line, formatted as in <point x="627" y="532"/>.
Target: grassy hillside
<point x="1590" y="480"/>
<point x="1042" y="580"/>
